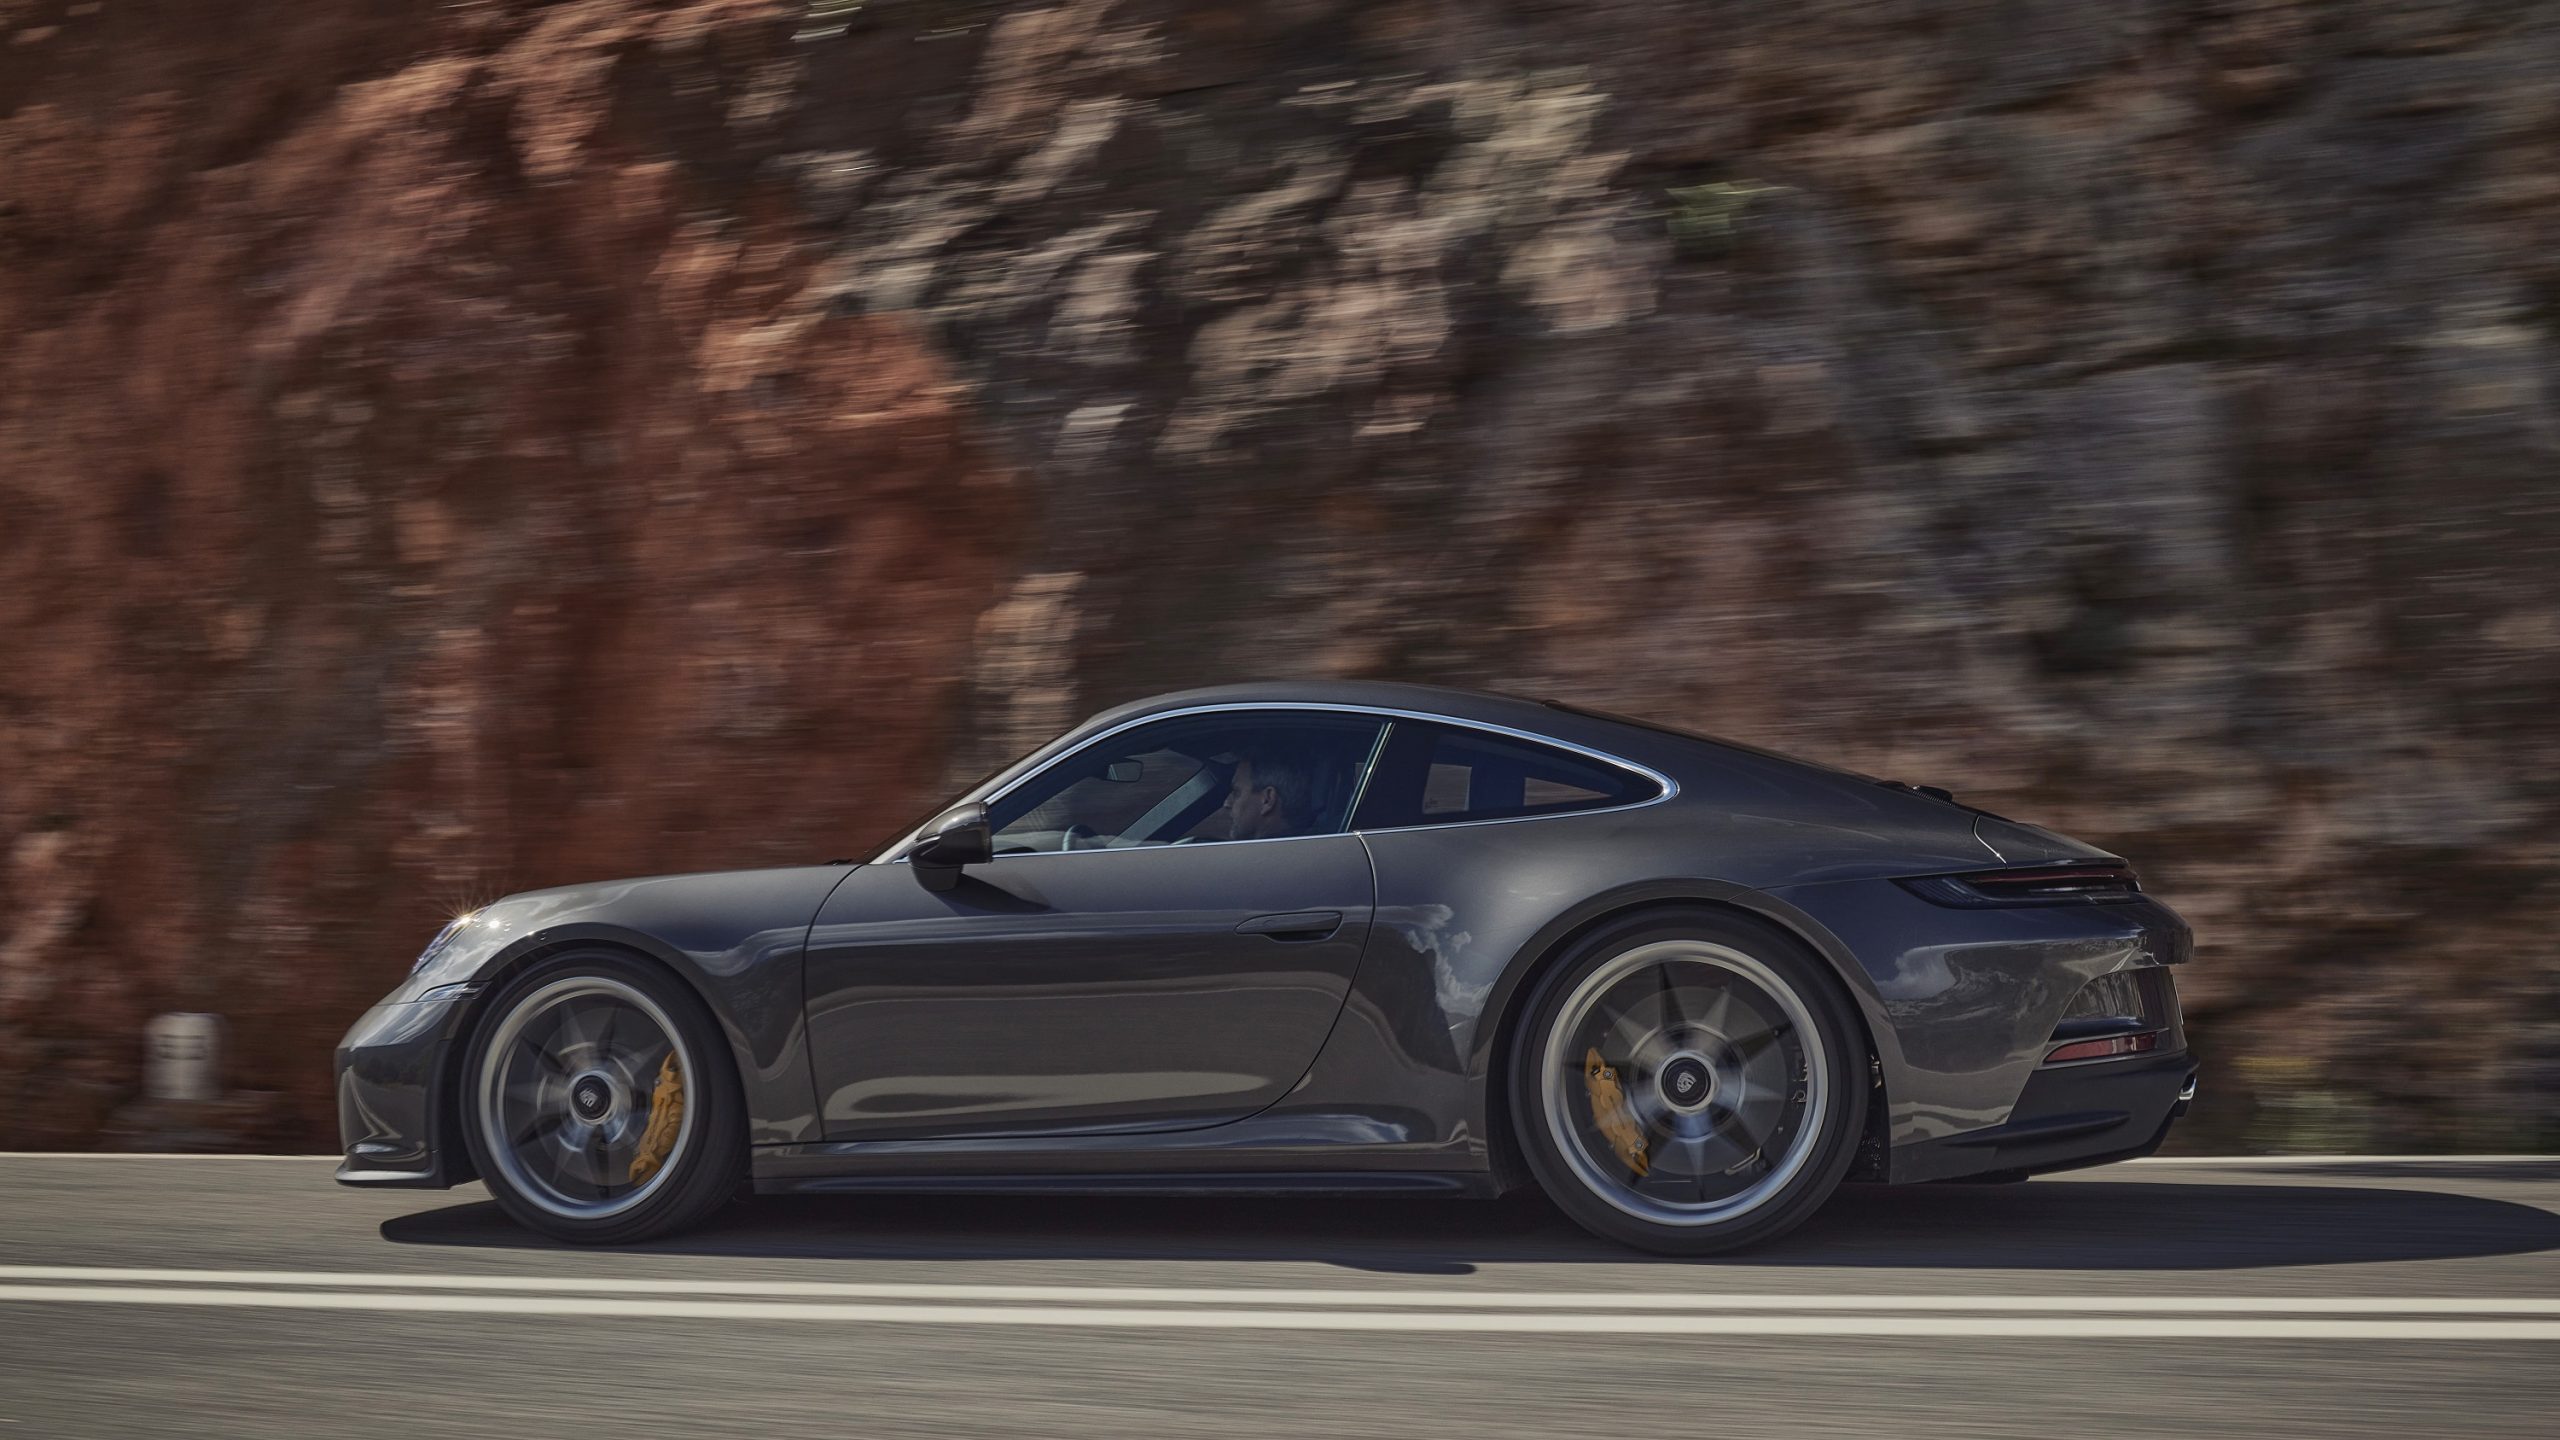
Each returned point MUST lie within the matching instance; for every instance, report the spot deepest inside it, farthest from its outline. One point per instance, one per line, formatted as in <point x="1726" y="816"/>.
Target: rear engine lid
<point x="2012" y="841"/>
<point x="2016" y="843"/>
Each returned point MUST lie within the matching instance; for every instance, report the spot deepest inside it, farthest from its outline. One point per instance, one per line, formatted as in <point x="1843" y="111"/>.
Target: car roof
<point x="1642" y="741"/>
<point x="1629" y="737"/>
<point x="1477" y="705"/>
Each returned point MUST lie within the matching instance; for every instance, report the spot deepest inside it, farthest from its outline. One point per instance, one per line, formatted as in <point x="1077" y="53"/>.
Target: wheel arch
<point x="1545" y="949"/>
<point x="500" y="972"/>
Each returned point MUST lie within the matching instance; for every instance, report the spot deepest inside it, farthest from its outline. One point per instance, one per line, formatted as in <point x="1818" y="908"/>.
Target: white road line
<point x="2209" y="1161"/>
<point x="1087" y="1317"/>
<point x="1062" y="1295"/>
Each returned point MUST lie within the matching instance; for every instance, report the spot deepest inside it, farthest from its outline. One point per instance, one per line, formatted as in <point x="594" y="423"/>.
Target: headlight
<point x="444" y="937"/>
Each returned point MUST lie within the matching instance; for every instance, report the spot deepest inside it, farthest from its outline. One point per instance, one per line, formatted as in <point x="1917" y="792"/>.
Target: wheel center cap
<point x="591" y="1097"/>
<point x="1687" y="1082"/>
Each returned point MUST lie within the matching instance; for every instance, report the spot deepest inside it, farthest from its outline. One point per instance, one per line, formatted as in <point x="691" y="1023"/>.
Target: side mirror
<point x="958" y="836"/>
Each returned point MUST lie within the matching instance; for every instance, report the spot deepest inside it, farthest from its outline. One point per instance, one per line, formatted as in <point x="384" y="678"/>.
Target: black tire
<point x="1596" y="1131"/>
<point x="511" y="1071"/>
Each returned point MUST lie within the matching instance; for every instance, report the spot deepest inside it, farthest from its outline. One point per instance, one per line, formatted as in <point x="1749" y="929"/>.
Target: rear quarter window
<point x="1441" y="774"/>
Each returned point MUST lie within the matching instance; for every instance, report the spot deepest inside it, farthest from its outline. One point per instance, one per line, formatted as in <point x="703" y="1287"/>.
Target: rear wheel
<point x="599" y="1103"/>
<point x="1685" y="1082"/>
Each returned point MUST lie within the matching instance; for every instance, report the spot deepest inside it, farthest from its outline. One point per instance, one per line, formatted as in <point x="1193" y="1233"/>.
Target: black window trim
<point x="1668" y="788"/>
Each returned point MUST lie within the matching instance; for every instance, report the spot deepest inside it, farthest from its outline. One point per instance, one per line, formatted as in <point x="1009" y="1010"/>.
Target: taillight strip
<point x="2107" y="1049"/>
<point x="2077" y="883"/>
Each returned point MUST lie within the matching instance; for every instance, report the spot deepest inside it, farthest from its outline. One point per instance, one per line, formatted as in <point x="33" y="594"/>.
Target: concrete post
<point x="182" y="1057"/>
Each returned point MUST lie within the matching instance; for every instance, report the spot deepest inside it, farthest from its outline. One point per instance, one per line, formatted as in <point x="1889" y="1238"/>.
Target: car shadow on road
<point x="2079" y="1225"/>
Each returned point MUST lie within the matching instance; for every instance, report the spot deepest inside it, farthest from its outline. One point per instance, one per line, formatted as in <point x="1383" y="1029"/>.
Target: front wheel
<point x="1686" y="1082"/>
<point x="599" y="1103"/>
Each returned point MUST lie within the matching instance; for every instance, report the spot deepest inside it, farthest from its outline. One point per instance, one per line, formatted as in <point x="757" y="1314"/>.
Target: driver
<point x="1272" y="793"/>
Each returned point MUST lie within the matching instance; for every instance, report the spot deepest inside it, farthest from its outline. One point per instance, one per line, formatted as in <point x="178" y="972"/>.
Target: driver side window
<point x="1252" y="775"/>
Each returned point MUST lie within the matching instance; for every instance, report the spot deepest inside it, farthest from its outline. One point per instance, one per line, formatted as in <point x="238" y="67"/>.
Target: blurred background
<point x="447" y="449"/>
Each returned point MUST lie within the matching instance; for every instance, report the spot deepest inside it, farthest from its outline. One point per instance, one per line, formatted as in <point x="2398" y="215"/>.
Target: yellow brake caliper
<point x="1609" y="1108"/>
<point x="666" y="1112"/>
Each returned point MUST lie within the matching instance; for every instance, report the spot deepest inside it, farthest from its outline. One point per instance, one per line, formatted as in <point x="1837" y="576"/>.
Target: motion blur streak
<point x="1948" y="1326"/>
<point x="2285" y="1302"/>
<point x="1399" y="1299"/>
<point x="450" y="449"/>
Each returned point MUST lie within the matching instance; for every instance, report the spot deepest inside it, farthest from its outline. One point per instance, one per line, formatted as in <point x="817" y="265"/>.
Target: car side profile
<point x="1310" y="937"/>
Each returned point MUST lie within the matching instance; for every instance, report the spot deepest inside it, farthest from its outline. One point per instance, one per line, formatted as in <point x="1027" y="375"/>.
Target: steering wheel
<point x="1068" y="837"/>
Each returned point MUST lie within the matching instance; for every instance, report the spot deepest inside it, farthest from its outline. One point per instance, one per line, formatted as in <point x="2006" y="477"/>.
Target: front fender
<point x="738" y="938"/>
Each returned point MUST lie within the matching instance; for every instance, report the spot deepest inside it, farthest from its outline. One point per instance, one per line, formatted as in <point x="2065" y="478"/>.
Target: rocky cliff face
<point x="450" y="449"/>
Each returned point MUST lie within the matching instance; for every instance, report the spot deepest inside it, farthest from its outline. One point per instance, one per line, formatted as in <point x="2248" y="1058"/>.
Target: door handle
<point x="1296" y="925"/>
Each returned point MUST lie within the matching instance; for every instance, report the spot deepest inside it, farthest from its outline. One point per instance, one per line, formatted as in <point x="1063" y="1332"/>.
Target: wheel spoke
<point x="1681" y="1158"/>
<point x="1672" y="1014"/>
<point x="1725" y="1133"/>
<point x="1749" y="1049"/>
<point x="1714" y="1019"/>
<point x="577" y="1024"/>
<point x="538" y="1128"/>
<point x="555" y="1164"/>
<point x="1619" y="1040"/>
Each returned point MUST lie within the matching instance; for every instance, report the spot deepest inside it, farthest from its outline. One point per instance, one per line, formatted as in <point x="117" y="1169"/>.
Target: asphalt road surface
<point x="145" y="1296"/>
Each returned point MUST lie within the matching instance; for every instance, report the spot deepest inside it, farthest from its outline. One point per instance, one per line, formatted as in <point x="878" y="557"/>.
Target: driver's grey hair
<point x="1293" y="772"/>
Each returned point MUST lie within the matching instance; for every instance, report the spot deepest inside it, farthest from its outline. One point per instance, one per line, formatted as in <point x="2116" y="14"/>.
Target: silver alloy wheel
<point x="565" y="1092"/>
<point x="1679" y="1066"/>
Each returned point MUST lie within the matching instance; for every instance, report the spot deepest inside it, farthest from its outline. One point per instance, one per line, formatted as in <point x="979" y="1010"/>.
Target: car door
<point x="1126" y="962"/>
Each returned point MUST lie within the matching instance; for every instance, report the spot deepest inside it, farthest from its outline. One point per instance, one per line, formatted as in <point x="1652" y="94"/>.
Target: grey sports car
<point x="1310" y="937"/>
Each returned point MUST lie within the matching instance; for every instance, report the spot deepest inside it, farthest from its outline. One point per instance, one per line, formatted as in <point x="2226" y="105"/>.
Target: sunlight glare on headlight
<point x="442" y="938"/>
